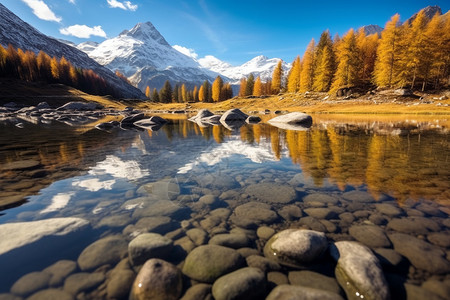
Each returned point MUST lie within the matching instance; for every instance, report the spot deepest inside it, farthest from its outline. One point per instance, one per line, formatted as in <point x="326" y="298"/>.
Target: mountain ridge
<point x="22" y="35"/>
<point x="144" y="56"/>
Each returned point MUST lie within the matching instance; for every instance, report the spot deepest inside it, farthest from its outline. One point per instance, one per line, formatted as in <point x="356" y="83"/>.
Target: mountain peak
<point x="371" y="29"/>
<point x="144" y="32"/>
<point x="430" y="11"/>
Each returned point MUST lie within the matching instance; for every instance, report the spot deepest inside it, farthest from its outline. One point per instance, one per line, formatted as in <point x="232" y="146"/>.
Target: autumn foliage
<point x="415" y="55"/>
<point x="30" y="67"/>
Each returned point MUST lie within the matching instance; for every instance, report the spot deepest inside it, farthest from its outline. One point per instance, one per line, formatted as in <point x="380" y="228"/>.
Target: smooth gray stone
<point x="294" y="292"/>
<point x="234" y="241"/>
<point x="198" y="291"/>
<point x="148" y="245"/>
<point x="315" y="280"/>
<point x="158" y="280"/>
<point x="198" y="236"/>
<point x="105" y="251"/>
<point x="31" y="283"/>
<point x="208" y="262"/>
<point x="421" y="254"/>
<point x="389" y="209"/>
<point x="358" y="196"/>
<point x="271" y="192"/>
<point x="370" y="235"/>
<point x="59" y="271"/>
<point x="358" y="271"/>
<point x="80" y="282"/>
<point x="247" y="283"/>
<point x="262" y="263"/>
<point x="51" y="294"/>
<point x="296" y="246"/>
<point x="415" y="225"/>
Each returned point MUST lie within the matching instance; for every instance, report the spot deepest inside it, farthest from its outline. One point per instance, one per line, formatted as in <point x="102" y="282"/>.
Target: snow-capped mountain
<point x="259" y="66"/>
<point x="20" y="34"/>
<point x="144" y="56"/>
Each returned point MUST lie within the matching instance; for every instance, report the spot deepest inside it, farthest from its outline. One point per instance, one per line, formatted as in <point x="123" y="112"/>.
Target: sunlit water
<point x="87" y="173"/>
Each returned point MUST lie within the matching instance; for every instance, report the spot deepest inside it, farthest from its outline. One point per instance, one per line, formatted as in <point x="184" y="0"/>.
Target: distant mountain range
<point x="16" y="32"/>
<point x="144" y="56"/>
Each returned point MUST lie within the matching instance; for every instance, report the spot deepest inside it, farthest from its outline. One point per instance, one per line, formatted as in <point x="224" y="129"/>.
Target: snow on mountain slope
<point x="20" y="34"/>
<point x="259" y="66"/>
<point x="144" y="56"/>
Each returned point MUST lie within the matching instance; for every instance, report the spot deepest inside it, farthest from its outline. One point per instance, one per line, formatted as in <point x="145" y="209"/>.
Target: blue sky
<point x="233" y="31"/>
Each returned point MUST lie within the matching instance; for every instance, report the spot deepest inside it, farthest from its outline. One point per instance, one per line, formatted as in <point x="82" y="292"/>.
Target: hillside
<point x="20" y="34"/>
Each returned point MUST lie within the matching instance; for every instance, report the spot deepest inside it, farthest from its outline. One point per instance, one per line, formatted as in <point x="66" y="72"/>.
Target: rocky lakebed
<point x="243" y="230"/>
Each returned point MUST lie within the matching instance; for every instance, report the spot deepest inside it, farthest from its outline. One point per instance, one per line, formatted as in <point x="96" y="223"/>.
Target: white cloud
<point x="72" y="1"/>
<point x="42" y="11"/>
<point x="83" y="31"/>
<point x="186" y="51"/>
<point x="126" y="5"/>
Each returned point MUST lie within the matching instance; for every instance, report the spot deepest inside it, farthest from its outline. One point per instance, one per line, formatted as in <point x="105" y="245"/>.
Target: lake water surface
<point x="391" y="172"/>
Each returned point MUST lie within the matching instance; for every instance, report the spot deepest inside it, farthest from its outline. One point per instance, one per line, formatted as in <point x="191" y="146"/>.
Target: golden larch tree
<point x="257" y="88"/>
<point x="184" y="93"/>
<point x="386" y="64"/>
<point x="293" y="81"/>
<point x="324" y="70"/>
<point x="413" y="54"/>
<point x="195" y="94"/>
<point x="277" y="78"/>
<point x="243" y="87"/>
<point x="147" y="92"/>
<point x="217" y="88"/>
<point x="434" y="65"/>
<point x="367" y="46"/>
<point x="307" y="72"/>
<point x="323" y="66"/>
<point x="347" y="72"/>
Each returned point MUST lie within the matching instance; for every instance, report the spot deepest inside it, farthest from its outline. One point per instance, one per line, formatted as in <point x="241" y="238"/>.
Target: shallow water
<point x="79" y="171"/>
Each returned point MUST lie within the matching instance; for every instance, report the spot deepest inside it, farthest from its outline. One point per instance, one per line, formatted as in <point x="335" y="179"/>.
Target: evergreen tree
<point x="217" y="89"/>
<point x="155" y="95"/>
<point x="277" y="78"/>
<point x="165" y="94"/>
<point x="227" y="91"/>
<point x="175" y="93"/>
<point x="307" y="72"/>
<point x="257" y="88"/>
<point x="250" y="84"/>
<point x="386" y="64"/>
<point x="293" y="82"/>
<point x="348" y="62"/>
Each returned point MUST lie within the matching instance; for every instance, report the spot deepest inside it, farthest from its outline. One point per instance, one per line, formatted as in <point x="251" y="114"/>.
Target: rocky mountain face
<point x="371" y="29"/>
<point x="20" y="34"/>
<point x="144" y="56"/>
<point x="430" y="11"/>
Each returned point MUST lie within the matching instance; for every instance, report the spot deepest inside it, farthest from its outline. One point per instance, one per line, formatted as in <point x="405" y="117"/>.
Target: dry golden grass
<point x="297" y="102"/>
